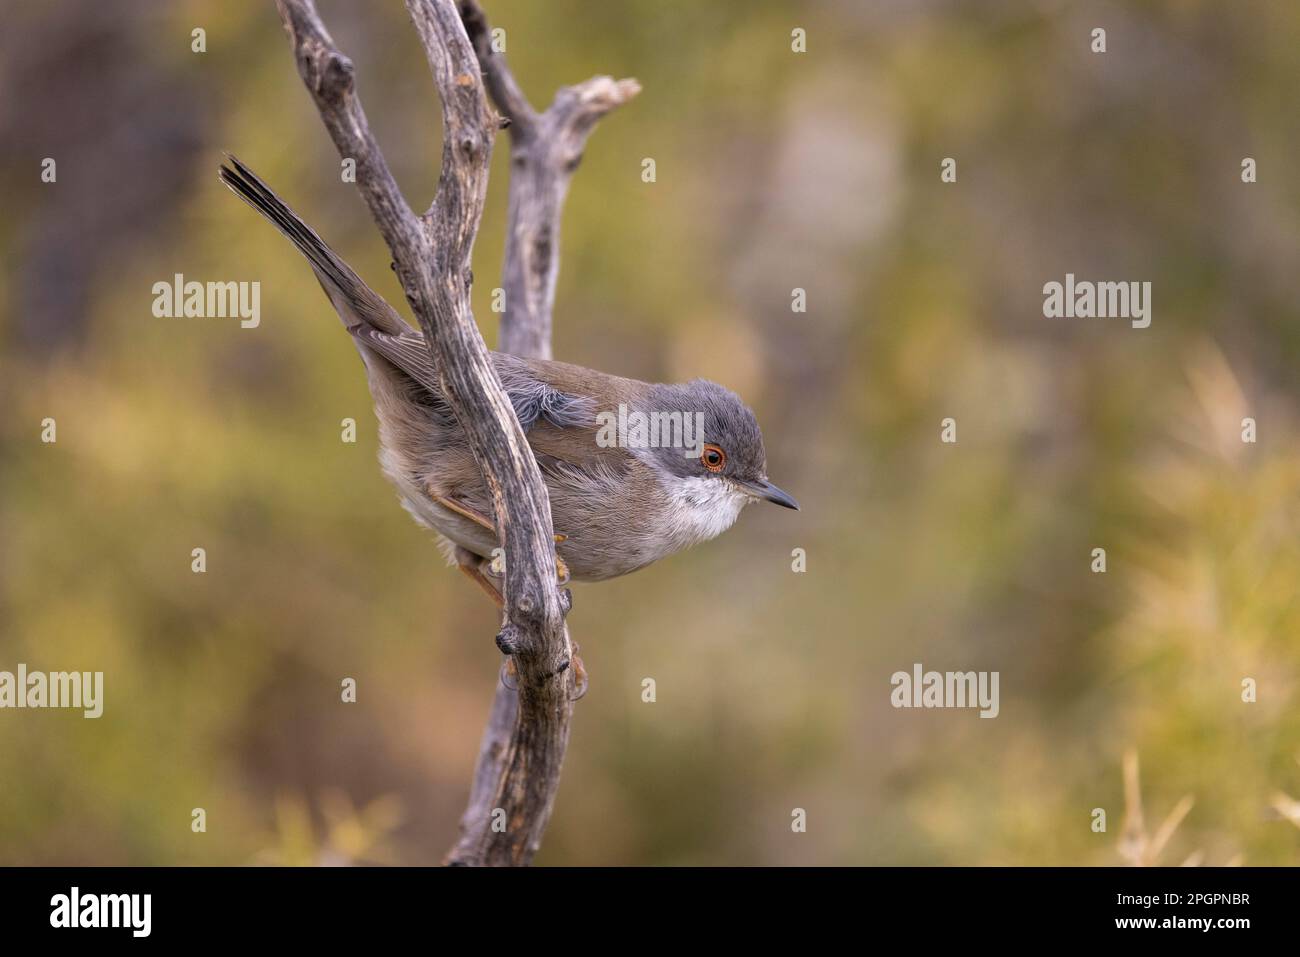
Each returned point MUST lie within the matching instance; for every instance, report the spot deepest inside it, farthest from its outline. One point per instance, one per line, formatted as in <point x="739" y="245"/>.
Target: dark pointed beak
<point x="770" y="493"/>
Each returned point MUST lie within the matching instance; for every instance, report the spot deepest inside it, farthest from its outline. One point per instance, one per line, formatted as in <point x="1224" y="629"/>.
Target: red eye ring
<point x="714" y="459"/>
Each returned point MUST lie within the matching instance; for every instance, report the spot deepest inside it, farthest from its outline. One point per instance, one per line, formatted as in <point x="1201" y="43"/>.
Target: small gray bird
<point x="621" y="495"/>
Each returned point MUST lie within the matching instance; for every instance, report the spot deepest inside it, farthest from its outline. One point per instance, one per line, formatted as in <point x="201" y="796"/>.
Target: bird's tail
<point x="361" y="308"/>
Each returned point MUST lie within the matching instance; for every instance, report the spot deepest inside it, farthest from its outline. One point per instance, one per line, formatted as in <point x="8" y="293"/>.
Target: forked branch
<point x="519" y="767"/>
<point x="545" y="150"/>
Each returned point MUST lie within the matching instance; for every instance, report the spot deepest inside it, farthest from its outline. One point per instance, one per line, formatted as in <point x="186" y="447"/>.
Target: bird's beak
<point x="770" y="493"/>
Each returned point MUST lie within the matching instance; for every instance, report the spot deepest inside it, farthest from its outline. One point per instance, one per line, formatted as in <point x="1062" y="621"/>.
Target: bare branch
<point x="545" y="151"/>
<point x="542" y="165"/>
<point x="505" y="92"/>
<point x="329" y="77"/>
<point x="432" y="258"/>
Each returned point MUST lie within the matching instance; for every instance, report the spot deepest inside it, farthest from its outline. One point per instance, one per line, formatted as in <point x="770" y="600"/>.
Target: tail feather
<point x="361" y="308"/>
<point x="402" y="375"/>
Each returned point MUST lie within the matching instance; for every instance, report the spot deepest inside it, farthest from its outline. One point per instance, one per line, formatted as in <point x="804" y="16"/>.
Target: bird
<point x="619" y="499"/>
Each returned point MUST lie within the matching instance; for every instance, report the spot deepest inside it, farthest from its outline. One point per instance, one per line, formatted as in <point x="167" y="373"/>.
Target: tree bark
<point x="523" y="747"/>
<point x="545" y="151"/>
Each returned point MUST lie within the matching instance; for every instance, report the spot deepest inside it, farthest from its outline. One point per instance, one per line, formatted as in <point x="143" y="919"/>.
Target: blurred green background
<point x="775" y="170"/>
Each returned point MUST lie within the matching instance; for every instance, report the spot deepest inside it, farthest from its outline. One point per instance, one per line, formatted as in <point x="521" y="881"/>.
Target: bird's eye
<point x="714" y="458"/>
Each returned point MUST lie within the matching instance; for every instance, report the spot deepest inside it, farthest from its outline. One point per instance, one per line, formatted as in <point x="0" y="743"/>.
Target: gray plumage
<point x="619" y="508"/>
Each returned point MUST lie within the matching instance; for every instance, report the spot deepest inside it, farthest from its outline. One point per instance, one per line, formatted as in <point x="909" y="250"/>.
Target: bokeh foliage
<point x="775" y="171"/>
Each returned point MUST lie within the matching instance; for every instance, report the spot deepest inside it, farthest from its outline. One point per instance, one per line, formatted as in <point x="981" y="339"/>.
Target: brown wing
<point x="571" y="440"/>
<point x="556" y="402"/>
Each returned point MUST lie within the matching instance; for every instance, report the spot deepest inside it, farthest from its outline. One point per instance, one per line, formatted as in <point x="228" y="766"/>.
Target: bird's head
<point x="720" y="447"/>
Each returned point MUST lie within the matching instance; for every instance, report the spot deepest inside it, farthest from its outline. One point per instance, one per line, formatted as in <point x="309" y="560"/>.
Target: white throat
<point x="701" y="509"/>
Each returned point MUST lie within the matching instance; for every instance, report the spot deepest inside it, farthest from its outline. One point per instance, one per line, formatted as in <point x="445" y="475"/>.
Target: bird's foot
<point x="460" y="508"/>
<point x="473" y="568"/>
<point x="579" y="675"/>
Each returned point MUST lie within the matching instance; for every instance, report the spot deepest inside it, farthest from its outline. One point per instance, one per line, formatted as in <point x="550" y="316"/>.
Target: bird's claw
<point x="579" y="677"/>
